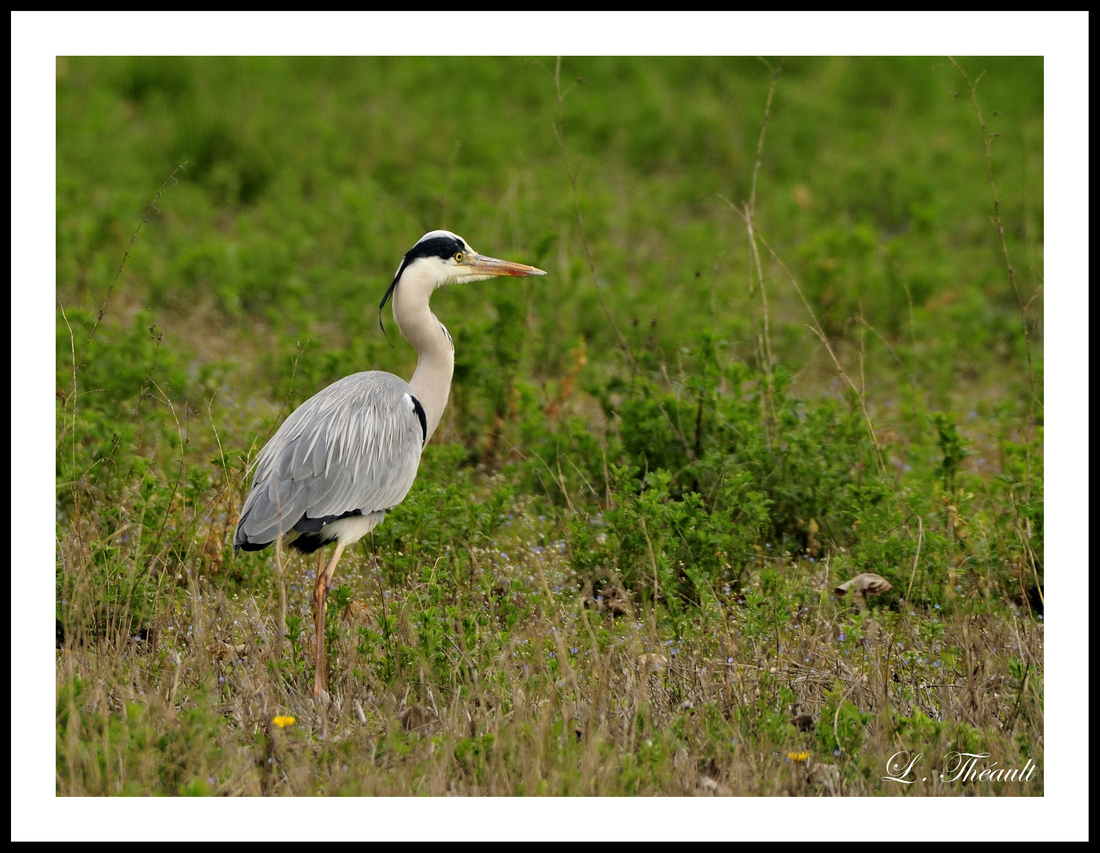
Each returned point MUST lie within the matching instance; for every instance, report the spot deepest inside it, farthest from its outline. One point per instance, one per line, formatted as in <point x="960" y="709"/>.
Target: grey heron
<point x="350" y="452"/>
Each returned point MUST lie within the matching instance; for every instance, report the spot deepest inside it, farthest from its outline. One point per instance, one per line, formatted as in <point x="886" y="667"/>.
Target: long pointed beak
<point x="481" y="265"/>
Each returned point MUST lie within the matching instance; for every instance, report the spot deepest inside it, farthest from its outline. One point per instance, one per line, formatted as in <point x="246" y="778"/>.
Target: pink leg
<point x="320" y="592"/>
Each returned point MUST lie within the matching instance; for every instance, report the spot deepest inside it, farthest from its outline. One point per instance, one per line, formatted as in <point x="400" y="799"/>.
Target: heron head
<point x="442" y="257"/>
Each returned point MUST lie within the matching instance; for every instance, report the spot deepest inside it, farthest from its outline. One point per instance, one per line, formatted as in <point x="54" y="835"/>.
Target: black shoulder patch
<point x="306" y="524"/>
<point x="423" y="419"/>
<point x="309" y="531"/>
<point x="307" y="543"/>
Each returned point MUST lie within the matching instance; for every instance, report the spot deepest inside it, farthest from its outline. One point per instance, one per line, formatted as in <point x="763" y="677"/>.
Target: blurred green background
<point x="638" y="426"/>
<point x="298" y="184"/>
<point x="307" y="179"/>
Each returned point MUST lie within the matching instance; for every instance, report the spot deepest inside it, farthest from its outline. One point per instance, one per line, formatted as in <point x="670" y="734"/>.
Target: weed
<point x="615" y="573"/>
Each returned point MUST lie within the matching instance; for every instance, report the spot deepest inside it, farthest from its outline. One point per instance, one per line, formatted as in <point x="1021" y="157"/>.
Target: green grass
<point x="615" y="572"/>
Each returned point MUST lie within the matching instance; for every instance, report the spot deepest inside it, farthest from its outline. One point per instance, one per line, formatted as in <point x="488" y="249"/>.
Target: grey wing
<point x="353" y="446"/>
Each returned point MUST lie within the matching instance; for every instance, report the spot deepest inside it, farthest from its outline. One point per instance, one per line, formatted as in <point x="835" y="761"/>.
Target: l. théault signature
<point x="958" y="767"/>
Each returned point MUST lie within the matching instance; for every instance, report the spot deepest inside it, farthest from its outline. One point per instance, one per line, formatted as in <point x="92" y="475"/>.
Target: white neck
<point x="431" y="382"/>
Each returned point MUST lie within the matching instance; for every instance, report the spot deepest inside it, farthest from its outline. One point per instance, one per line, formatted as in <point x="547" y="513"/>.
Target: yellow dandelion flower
<point x="283" y="722"/>
<point x="797" y="757"/>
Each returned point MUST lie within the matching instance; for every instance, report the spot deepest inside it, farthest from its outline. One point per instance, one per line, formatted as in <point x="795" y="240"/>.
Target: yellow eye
<point x="458" y="256"/>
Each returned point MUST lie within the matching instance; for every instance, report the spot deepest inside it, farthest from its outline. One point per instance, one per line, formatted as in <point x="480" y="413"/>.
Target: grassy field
<point x="792" y="333"/>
